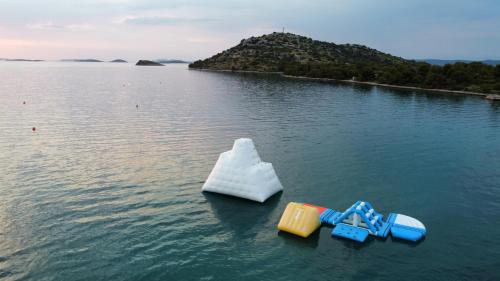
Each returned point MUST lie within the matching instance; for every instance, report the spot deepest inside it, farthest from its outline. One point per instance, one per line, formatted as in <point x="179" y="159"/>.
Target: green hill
<point x="302" y="56"/>
<point x="271" y="52"/>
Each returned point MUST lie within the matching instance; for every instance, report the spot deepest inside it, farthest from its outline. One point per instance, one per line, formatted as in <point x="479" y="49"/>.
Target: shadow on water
<point x="354" y="245"/>
<point x="313" y="241"/>
<point x="277" y="78"/>
<point x="370" y="240"/>
<point x="248" y="76"/>
<point x="241" y="215"/>
<point x="407" y="243"/>
<point x="426" y="95"/>
<point x="360" y="88"/>
<point x="495" y="105"/>
<point x="310" y="242"/>
<point x="252" y="77"/>
<point x="448" y="97"/>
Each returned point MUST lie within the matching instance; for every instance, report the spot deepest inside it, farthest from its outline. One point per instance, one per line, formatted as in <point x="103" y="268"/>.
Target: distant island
<point x="3" y="59"/>
<point x="445" y="62"/>
<point x="119" y="61"/>
<point x="299" y="56"/>
<point x="167" y="61"/>
<point x="148" y="63"/>
<point x="82" y="60"/>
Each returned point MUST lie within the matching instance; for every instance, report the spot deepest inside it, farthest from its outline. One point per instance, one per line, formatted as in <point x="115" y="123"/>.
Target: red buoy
<point x="33" y="129"/>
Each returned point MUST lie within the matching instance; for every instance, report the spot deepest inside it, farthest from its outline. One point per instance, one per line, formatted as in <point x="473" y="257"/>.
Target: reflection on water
<point x="253" y="214"/>
<point x="104" y="190"/>
<point x="295" y="241"/>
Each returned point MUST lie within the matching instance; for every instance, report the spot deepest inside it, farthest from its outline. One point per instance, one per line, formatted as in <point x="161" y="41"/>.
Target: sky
<point x="190" y="30"/>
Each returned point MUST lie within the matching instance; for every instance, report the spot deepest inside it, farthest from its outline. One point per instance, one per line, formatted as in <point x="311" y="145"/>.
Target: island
<point x="29" y="60"/>
<point x="445" y="62"/>
<point x="167" y="61"/>
<point x="119" y="61"/>
<point x="148" y="63"/>
<point x="293" y="55"/>
<point x="81" y="60"/>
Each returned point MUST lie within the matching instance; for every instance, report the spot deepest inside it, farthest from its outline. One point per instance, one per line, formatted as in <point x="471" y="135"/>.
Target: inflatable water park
<point x="240" y="172"/>
<point x="355" y="223"/>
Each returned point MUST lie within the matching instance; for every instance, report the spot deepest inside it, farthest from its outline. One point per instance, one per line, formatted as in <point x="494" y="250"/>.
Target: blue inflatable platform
<point x="361" y="219"/>
<point x="350" y="232"/>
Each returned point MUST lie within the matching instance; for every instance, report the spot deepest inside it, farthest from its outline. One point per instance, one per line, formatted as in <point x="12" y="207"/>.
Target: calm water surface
<point x="107" y="191"/>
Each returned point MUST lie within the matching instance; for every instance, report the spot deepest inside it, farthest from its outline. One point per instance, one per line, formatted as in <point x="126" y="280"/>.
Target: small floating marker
<point x="24" y="102"/>
<point x="33" y="129"/>
<point x="137" y="106"/>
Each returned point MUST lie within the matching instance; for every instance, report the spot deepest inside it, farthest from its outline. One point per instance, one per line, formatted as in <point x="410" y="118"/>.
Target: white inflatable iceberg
<point x="240" y="172"/>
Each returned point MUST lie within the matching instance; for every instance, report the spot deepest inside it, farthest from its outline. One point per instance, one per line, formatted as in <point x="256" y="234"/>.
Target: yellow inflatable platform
<point x="299" y="219"/>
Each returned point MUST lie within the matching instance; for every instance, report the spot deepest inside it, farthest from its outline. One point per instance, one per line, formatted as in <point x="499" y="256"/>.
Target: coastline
<point x="442" y="91"/>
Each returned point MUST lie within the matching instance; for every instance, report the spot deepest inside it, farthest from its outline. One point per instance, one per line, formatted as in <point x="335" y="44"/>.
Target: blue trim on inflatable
<point x="391" y="218"/>
<point x="329" y="216"/>
<point x="407" y="232"/>
<point x="386" y="228"/>
<point x="350" y="232"/>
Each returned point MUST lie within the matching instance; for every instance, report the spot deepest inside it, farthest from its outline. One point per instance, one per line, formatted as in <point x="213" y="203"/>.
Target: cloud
<point x="44" y="25"/>
<point x="164" y="20"/>
<point x="27" y="43"/>
<point x="412" y="29"/>
<point x="79" y="26"/>
<point x="49" y="25"/>
<point x="201" y="39"/>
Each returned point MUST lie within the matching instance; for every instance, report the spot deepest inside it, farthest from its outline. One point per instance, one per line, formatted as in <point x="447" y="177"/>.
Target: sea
<point x="102" y="164"/>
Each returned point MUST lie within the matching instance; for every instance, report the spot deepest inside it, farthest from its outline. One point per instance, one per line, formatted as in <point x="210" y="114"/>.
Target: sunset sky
<point x="132" y="29"/>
